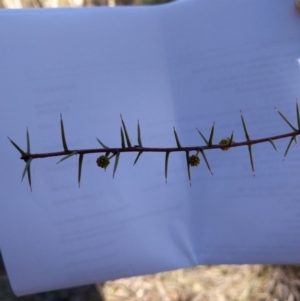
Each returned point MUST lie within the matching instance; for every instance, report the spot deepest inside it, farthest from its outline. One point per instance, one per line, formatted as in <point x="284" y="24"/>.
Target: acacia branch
<point x="135" y="149"/>
<point x="126" y="147"/>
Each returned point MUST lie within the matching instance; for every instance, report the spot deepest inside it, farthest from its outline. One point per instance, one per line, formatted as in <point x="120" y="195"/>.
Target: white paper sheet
<point x="184" y="64"/>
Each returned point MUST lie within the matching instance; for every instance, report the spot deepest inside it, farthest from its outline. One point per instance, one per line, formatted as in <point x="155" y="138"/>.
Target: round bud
<point x="103" y="161"/>
<point x="225" y="141"/>
<point x="194" y="160"/>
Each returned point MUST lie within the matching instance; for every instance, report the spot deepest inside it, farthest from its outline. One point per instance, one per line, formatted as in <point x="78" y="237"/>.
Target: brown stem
<point x="158" y="149"/>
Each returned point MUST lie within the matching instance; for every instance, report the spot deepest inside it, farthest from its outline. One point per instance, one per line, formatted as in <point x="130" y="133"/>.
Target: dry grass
<point x="213" y="283"/>
<point x="72" y="3"/>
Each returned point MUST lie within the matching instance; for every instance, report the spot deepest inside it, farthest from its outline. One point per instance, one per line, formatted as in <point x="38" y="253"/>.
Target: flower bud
<point x="194" y="160"/>
<point x="225" y="141"/>
<point x="103" y="161"/>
